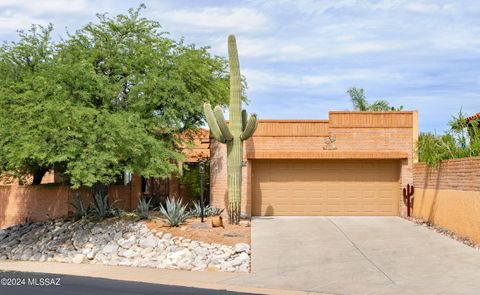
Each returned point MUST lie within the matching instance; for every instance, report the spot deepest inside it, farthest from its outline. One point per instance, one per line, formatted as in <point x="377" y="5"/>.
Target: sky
<point x="299" y="57"/>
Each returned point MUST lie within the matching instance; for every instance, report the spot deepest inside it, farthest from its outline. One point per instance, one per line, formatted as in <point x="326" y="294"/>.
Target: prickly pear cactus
<point x="239" y="129"/>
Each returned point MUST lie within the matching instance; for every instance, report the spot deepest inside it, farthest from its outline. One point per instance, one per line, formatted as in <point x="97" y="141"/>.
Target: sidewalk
<point x="205" y="280"/>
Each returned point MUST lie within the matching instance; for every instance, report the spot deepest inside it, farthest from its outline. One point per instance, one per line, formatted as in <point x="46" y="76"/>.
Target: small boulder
<point x="242" y="247"/>
<point x="78" y="258"/>
<point x="148" y="242"/>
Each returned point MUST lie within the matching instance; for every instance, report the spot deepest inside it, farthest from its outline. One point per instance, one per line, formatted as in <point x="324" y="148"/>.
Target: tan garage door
<point x="325" y="187"/>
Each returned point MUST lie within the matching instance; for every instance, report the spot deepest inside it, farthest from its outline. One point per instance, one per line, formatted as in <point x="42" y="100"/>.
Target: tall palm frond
<point x="379" y="105"/>
<point x="357" y="96"/>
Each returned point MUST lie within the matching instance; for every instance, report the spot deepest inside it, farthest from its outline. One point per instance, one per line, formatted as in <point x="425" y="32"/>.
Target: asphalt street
<point x="26" y="283"/>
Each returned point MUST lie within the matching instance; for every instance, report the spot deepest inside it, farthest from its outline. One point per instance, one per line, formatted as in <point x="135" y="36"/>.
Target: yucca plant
<point x="143" y="208"/>
<point x="174" y="211"/>
<point x="80" y="210"/>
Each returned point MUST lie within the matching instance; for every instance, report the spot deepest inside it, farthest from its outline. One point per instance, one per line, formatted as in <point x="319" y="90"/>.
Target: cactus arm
<point x="250" y="127"/>
<point x="212" y="123"/>
<point x="222" y="124"/>
<point x="244" y="119"/>
<point x="235" y="122"/>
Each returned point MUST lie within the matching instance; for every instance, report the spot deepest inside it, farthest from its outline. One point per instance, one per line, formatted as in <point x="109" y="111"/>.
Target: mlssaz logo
<point x="44" y="282"/>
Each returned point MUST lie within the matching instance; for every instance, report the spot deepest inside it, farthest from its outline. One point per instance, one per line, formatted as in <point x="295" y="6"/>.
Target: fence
<point x="449" y="196"/>
<point x="31" y="203"/>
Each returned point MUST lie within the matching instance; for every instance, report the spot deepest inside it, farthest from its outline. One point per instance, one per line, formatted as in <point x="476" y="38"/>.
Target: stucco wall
<point x="362" y="135"/>
<point x="449" y="196"/>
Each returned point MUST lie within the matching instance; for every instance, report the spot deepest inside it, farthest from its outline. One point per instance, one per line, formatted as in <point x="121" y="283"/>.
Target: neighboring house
<point x="355" y="163"/>
<point x="51" y="199"/>
<point x="473" y="118"/>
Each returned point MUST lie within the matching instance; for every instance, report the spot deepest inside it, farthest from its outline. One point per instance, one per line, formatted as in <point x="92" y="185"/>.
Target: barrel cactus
<point x="234" y="133"/>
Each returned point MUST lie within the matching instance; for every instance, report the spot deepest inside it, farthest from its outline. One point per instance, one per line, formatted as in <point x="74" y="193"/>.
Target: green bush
<point x="174" y="211"/>
<point x="460" y="141"/>
<point x="191" y="178"/>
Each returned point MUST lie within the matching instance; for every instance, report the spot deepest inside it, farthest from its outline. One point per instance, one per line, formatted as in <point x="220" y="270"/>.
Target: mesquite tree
<point x="113" y="96"/>
<point x="233" y="134"/>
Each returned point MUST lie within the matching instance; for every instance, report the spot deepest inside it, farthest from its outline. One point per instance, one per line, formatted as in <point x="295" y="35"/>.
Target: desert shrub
<point x="190" y="178"/>
<point x="81" y="211"/>
<point x="460" y="141"/>
<point x="174" y="211"/>
<point x="208" y="210"/>
<point x="143" y="208"/>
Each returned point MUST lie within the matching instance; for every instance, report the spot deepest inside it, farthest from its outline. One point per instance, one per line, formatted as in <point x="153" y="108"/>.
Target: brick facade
<point x="359" y="135"/>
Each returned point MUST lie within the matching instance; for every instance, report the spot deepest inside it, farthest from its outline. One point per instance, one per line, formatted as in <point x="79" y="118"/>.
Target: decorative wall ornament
<point x="330" y="142"/>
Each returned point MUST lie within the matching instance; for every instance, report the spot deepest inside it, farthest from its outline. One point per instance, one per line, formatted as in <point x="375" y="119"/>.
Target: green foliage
<point x="360" y="103"/>
<point x="174" y="211"/>
<point x="80" y="210"/>
<point x="101" y="207"/>
<point x="208" y="210"/>
<point x="191" y="179"/>
<point x="109" y="98"/>
<point x="462" y="140"/>
<point x="239" y="128"/>
<point x="143" y="208"/>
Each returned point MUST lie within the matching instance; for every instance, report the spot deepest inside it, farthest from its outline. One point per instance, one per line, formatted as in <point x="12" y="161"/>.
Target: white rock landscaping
<point x="118" y="243"/>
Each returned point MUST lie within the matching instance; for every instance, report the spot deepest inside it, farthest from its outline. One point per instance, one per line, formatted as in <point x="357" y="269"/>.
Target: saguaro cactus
<point x="234" y="133"/>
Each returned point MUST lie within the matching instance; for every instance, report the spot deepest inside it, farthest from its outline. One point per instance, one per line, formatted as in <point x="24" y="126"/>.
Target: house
<point x="52" y="199"/>
<point x="354" y="163"/>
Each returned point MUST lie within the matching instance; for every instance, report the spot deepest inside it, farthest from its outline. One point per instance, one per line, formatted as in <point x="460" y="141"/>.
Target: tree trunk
<point x="38" y="175"/>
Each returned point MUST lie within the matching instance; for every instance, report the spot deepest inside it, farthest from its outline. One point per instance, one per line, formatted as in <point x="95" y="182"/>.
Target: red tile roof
<point x="476" y="116"/>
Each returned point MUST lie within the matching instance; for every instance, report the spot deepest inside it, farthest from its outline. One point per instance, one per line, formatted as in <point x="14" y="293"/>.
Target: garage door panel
<point x="325" y="187"/>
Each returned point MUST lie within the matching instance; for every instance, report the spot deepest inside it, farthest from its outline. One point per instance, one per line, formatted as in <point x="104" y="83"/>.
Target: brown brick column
<point x="135" y="191"/>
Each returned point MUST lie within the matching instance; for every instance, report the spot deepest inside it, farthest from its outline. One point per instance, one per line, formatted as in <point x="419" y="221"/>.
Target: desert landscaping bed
<point x="118" y="241"/>
<point x="229" y="234"/>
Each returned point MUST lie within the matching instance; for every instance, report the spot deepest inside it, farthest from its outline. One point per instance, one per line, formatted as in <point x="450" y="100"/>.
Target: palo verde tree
<point x="239" y="129"/>
<point x="360" y="103"/>
<point x="111" y="97"/>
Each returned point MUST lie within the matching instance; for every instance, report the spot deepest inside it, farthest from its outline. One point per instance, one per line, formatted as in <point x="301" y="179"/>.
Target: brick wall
<point x="367" y="135"/>
<point x="31" y="203"/>
<point x="449" y="196"/>
<point x="455" y="174"/>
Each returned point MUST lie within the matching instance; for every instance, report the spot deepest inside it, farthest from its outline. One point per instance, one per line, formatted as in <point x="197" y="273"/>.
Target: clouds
<point x="299" y="57"/>
<point x="211" y="19"/>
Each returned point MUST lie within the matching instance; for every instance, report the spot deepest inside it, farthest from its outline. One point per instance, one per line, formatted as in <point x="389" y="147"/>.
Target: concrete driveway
<point x="359" y="255"/>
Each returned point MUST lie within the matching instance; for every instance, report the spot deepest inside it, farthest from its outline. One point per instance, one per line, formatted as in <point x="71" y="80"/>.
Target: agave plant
<point x="208" y="210"/>
<point x="101" y="207"/>
<point x="143" y="208"/>
<point x="214" y="211"/>
<point x="80" y="210"/>
<point x="174" y="211"/>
